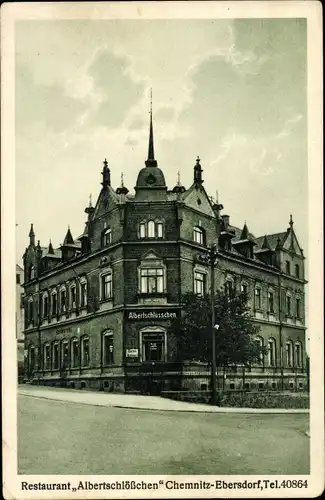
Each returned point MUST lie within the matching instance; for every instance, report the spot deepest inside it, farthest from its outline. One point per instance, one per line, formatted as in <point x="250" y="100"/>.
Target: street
<point x="64" y="437"/>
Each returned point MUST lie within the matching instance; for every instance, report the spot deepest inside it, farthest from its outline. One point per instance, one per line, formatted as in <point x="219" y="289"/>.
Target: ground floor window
<point x="74" y="353"/>
<point x="108" y="348"/>
<point x="289" y="353"/>
<point x="32" y="358"/>
<point x="56" y="357"/>
<point x="47" y="357"/>
<point x="298" y="354"/>
<point x="153" y="346"/>
<point x="271" y="352"/>
<point x="65" y="354"/>
<point x="85" y="351"/>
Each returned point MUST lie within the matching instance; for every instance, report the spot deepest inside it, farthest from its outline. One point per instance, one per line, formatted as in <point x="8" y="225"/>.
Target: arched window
<point x="56" y="356"/>
<point x="85" y="355"/>
<point x="270" y="301"/>
<point x="272" y="352"/>
<point x="63" y="300"/>
<point x="30" y="312"/>
<point x="142" y="230"/>
<point x="73" y="296"/>
<point x="260" y="343"/>
<point x="108" y="348"/>
<point x="288" y="305"/>
<point x="198" y="235"/>
<point x="31" y="274"/>
<point x="298" y="308"/>
<point x="54" y="297"/>
<point x="75" y="353"/>
<point x="289" y="353"/>
<point x="298" y="353"/>
<point x="159" y="227"/>
<point x="83" y="292"/>
<point x="151" y="229"/>
<point x="45" y="301"/>
<point x="47" y="357"/>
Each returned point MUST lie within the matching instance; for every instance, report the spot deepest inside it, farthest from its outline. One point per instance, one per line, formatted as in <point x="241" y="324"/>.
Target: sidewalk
<point x="134" y="401"/>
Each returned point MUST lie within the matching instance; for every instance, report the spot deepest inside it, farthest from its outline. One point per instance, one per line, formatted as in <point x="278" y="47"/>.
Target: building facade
<point x="20" y="323"/>
<point x="98" y="310"/>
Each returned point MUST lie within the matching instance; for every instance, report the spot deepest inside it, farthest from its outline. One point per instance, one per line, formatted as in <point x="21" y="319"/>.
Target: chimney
<point x="225" y="219"/>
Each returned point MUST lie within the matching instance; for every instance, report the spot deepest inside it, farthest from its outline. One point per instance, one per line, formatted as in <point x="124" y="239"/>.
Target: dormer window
<point x="198" y="235"/>
<point x="107" y="237"/>
<point x="151" y="229"/>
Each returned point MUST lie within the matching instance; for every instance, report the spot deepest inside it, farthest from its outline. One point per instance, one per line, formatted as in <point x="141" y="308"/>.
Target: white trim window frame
<point x="200" y="281"/>
<point x="272" y="352"/>
<point x="107" y="237"/>
<point x="154" y="331"/>
<point x="198" y="235"/>
<point x="152" y="277"/>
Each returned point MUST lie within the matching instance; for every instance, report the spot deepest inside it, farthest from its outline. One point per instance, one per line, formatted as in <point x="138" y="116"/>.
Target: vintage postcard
<point x="162" y="243"/>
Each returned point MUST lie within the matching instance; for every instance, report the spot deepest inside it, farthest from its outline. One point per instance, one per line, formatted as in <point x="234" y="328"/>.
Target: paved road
<point x="62" y="437"/>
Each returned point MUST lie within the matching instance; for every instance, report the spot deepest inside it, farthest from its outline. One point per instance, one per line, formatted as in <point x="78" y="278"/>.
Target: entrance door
<point x="153" y="347"/>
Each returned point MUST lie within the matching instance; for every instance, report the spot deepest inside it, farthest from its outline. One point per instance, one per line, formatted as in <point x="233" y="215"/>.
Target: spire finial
<point x="198" y="172"/>
<point x="106" y="174"/>
<point x="151" y="151"/>
<point x="122" y="179"/>
<point x="217" y="197"/>
<point x="291" y="221"/>
<point x="90" y="205"/>
<point x="31" y="235"/>
<point x="178" y="178"/>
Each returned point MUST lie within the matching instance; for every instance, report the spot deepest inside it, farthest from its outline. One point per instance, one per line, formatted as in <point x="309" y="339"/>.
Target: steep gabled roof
<point x="272" y="240"/>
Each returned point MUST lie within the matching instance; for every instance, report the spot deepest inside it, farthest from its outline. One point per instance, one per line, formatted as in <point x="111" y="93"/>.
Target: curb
<point x="260" y="411"/>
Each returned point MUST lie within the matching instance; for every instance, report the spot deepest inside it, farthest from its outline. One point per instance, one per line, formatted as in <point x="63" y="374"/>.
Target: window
<point x="17" y="279"/>
<point x="56" y="356"/>
<point x="271" y="302"/>
<point x="108" y="349"/>
<point x="229" y="288"/>
<point x="198" y="235"/>
<point x="73" y="297"/>
<point x="151" y="229"/>
<point x="107" y="288"/>
<point x="153" y="347"/>
<point x="85" y="351"/>
<point x="298" y="308"/>
<point x="32" y="358"/>
<point x="83" y="293"/>
<point x="107" y="237"/>
<point x="159" y="230"/>
<point x="298" y="350"/>
<point x="259" y="342"/>
<point x="65" y="354"/>
<point x="30" y="312"/>
<point x="74" y="353"/>
<point x="152" y="280"/>
<point x="47" y="357"/>
<point x="32" y="272"/>
<point x="243" y="289"/>
<point x="45" y="306"/>
<point x="289" y="353"/>
<point x="54" y="304"/>
<point x="297" y="271"/>
<point x="199" y="283"/>
<point x="288" y="305"/>
<point x="142" y="230"/>
<point x="63" y="300"/>
<point x="271" y="352"/>
<point x="257" y="298"/>
<point x="287" y="267"/>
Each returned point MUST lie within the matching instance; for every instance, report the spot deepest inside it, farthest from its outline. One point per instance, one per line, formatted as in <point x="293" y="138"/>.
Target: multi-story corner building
<point x="98" y="309"/>
<point x="20" y="320"/>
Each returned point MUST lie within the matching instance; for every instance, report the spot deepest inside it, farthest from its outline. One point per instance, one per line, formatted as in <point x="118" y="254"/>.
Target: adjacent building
<point x="98" y="309"/>
<point x="20" y="323"/>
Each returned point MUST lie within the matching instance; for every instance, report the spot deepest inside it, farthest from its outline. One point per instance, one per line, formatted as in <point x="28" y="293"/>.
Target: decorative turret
<point x="178" y="189"/>
<point x="198" y="180"/>
<point x="106" y="173"/>
<point x="31" y="236"/>
<point x="265" y="253"/>
<point x="90" y="209"/>
<point x="226" y="233"/>
<point x="69" y="247"/>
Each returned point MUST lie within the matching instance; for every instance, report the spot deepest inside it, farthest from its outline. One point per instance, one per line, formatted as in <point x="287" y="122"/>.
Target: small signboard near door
<point x="132" y="353"/>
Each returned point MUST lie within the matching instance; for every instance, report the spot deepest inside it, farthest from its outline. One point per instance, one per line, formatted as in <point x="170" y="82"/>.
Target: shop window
<point x="108" y="348"/>
<point x="272" y="352"/>
<point x="151" y="280"/>
<point x="74" y="353"/>
<point x="47" y="357"/>
<point x="257" y="298"/>
<point x="56" y="356"/>
<point x="65" y="354"/>
<point x="106" y="286"/>
<point x="85" y="359"/>
<point x="271" y="302"/>
<point x="198" y="235"/>
<point x="298" y="349"/>
<point x="289" y="353"/>
<point x="200" y="279"/>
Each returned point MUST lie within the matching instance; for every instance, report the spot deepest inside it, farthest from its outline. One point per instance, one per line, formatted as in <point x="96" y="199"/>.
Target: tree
<point x="235" y="337"/>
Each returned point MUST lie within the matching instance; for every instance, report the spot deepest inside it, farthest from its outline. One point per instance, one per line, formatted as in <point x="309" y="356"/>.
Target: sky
<point x="231" y="91"/>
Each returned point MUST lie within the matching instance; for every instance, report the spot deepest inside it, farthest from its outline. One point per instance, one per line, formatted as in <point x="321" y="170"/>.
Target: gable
<point x="291" y="244"/>
<point x="106" y="201"/>
<point x="197" y="198"/>
<point x="151" y="255"/>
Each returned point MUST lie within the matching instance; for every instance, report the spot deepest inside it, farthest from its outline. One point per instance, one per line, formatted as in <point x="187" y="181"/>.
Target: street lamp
<point x="213" y="254"/>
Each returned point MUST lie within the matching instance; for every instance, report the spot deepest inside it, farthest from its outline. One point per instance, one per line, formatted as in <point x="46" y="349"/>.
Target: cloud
<point x="46" y="104"/>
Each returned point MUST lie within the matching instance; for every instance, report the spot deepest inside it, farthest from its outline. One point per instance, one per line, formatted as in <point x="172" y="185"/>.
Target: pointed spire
<point x="178" y="178"/>
<point x="151" y="162"/>
<point x="31" y="236"/>
<point x="265" y="244"/>
<point x="106" y="173"/>
<point x="291" y="221"/>
<point x="244" y="233"/>
<point x="90" y="205"/>
<point x="50" y="249"/>
<point x="68" y="240"/>
<point x="198" y="172"/>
